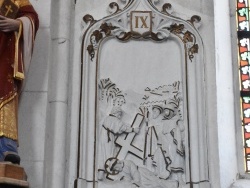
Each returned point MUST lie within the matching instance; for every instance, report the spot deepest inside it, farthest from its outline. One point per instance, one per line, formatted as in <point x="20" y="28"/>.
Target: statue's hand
<point x="8" y="24"/>
<point x="136" y="130"/>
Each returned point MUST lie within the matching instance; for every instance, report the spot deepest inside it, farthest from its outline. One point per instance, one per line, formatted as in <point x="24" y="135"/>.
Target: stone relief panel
<point x="147" y="151"/>
<point x="141" y="101"/>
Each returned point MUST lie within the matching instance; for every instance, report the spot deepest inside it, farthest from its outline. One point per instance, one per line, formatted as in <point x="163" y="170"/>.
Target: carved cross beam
<point x="126" y="142"/>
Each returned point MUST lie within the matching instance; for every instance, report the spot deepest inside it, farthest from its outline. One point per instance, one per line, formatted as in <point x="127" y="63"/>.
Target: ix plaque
<point x="141" y="21"/>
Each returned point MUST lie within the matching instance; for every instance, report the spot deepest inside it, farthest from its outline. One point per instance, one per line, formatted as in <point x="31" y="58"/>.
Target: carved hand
<point x="136" y="130"/>
<point x="8" y="24"/>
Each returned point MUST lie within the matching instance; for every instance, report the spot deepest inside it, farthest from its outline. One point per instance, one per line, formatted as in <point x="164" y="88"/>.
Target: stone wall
<point x="33" y="102"/>
<point x="48" y="111"/>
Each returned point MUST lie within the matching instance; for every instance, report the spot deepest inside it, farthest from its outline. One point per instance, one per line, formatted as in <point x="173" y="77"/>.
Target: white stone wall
<point x="33" y="103"/>
<point x="223" y="165"/>
<point x="184" y="9"/>
<point x="36" y="95"/>
<point x="225" y="95"/>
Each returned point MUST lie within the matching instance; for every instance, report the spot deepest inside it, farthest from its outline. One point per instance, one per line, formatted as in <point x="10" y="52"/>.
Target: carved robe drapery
<point x="112" y="127"/>
<point x="15" y="56"/>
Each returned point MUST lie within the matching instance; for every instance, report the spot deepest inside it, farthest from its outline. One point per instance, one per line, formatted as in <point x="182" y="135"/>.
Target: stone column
<point x="225" y="94"/>
<point x="58" y="94"/>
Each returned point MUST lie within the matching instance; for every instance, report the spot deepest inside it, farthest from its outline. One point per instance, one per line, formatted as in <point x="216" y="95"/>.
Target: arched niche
<point x="133" y="61"/>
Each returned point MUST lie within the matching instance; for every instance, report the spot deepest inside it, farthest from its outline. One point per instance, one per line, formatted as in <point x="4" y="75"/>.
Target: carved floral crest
<point x="161" y="29"/>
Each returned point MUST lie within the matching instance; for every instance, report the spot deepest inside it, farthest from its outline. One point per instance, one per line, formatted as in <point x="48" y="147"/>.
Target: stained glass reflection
<point x="244" y="56"/>
<point x="243" y="15"/>
<point x="246" y="99"/>
<point x="247" y="128"/>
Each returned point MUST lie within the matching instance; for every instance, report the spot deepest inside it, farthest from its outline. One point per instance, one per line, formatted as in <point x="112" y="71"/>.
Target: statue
<point x="111" y="128"/>
<point x="16" y="43"/>
<point x="169" y="157"/>
<point x="152" y="135"/>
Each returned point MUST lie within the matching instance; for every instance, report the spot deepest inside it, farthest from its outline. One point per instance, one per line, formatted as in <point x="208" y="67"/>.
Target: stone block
<point x="12" y="176"/>
<point x="243" y="183"/>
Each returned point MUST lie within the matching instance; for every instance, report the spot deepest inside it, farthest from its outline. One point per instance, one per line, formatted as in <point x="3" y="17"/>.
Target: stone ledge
<point x="243" y="183"/>
<point x="9" y="170"/>
<point x="12" y="183"/>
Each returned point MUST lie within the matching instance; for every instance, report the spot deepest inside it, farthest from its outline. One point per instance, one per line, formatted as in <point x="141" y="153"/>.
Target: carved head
<point x="110" y="166"/>
<point x="170" y="111"/>
<point x="157" y="110"/>
<point x="117" y="111"/>
<point x="119" y="101"/>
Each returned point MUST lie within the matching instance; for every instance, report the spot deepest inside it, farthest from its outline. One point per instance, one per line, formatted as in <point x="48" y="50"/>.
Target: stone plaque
<point x="141" y="101"/>
<point x="141" y="21"/>
<point x="12" y="176"/>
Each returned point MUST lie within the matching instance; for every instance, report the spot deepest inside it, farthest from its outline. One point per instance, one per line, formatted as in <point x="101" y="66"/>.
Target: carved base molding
<point x="242" y="183"/>
<point x="12" y="176"/>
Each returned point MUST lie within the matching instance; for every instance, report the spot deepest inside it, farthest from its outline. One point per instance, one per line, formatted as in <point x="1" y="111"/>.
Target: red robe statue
<point x="15" y="55"/>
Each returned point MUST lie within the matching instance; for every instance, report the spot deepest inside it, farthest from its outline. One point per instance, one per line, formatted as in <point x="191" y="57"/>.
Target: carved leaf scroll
<point x="167" y="8"/>
<point x="89" y="19"/>
<point x="195" y="19"/>
<point x="187" y="37"/>
<point x="114" y="8"/>
<point x="96" y="37"/>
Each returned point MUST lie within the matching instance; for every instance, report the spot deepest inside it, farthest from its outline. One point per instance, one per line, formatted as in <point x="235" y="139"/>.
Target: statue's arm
<point x="8" y="24"/>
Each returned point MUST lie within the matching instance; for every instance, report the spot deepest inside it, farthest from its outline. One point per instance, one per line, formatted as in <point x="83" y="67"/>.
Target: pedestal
<point x="12" y="176"/>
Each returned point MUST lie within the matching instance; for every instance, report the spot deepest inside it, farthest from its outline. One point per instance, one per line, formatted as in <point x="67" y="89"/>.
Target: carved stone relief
<point x="141" y="101"/>
<point x="159" y="125"/>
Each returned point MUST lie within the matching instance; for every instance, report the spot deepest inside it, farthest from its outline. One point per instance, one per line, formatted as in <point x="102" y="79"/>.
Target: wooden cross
<point x="8" y="9"/>
<point x="125" y="142"/>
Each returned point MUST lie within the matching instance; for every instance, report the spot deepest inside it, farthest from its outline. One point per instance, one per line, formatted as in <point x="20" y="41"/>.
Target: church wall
<point x="55" y="172"/>
<point x="33" y="109"/>
<point x="33" y="101"/>
<point x="240" y="154"/>
<point x="225" y="96"/>
<point x="242" y="178"/>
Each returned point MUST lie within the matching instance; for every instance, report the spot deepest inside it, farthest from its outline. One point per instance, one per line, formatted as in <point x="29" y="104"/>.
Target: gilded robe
<point x="15" y="55"/>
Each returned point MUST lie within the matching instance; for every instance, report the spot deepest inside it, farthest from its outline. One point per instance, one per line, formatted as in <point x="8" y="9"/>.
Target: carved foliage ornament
<point x="162" y="28"/>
